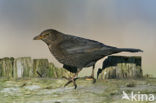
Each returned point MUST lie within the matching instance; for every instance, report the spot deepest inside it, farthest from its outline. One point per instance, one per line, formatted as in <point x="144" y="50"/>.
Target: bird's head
<point x="48" y="35"/>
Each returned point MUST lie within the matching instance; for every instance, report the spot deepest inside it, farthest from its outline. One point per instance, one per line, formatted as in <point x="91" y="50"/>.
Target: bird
<point x="76" y="53"/>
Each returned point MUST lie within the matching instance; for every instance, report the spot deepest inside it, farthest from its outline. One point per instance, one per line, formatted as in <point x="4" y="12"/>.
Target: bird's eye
<point x="45" y="35"/>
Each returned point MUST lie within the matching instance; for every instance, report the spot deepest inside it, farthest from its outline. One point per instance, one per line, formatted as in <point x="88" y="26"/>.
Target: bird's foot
<point x="90" y="78"/>
<point x="71" y="80"/>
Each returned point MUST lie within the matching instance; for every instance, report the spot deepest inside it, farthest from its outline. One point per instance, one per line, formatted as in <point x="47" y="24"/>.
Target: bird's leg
<point x="92" y="75"/>
<point x="73" y="79"/>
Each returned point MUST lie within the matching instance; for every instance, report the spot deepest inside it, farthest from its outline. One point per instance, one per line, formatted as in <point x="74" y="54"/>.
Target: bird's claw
<point x="94" y="80"/>
<point x="90" y="77"/>
<point x="71" y="80"/>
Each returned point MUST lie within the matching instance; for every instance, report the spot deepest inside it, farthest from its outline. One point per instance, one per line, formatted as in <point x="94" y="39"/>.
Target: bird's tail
<point x="130" y="50"/>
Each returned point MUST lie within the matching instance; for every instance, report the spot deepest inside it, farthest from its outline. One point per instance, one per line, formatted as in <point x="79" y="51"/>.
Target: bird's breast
<point x="57" y="52"/>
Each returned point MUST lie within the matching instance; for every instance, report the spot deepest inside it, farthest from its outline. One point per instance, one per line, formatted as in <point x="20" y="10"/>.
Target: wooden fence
<point x="113" y="67"/>
<point x="121" y="67"/>
<point x="27" y="67"/>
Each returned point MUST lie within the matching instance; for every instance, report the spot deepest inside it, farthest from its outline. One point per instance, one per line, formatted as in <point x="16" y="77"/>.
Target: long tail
<point x="129" y="50"/>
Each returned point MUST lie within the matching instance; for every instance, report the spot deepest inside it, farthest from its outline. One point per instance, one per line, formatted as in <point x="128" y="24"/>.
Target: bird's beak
<point x="39" y="37"/>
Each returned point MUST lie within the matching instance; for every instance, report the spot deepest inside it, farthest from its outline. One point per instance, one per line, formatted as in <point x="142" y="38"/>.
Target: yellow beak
<point x="39" y="37"/>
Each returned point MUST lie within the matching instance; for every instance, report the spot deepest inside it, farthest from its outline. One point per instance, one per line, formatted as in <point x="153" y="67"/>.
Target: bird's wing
<point x="80" y="52"/>
<point x="76" y="45"/>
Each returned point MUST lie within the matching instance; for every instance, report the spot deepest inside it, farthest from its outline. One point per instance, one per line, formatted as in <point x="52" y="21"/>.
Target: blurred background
<point x="120" y="23"/>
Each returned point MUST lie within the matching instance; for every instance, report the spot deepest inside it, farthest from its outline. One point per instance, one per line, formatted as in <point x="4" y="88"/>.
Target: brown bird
<point x="76" y="53"/>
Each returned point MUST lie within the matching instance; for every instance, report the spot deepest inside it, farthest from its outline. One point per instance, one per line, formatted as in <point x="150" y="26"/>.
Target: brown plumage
<point x="75" y="52"/>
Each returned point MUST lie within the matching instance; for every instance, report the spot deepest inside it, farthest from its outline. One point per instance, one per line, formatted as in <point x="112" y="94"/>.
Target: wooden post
<point x="121" y="67"/>
<point x="6" y="67"/>
<point x="40" y="67"/>
<point x="23" y="67"/>
<point x="26" y="67"/>
<point x="52" y="71"/>
<point x="55" y="72"/>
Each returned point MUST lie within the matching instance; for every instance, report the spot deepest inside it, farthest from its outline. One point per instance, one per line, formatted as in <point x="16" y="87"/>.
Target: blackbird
<point x="75" y="53"/>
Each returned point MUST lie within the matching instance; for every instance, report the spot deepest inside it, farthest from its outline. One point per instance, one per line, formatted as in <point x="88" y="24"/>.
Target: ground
<point x="38" y="90"/>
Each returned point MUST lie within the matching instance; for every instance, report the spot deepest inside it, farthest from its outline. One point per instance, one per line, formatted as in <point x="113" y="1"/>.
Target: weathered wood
<point x="6" y="67"/>
<point x="23" y="67"/>
<point x="121" y="67"/>
<point x="40" y="67"/>
<point x="55" y="72"/>
<point x="52" y="71"/>
<point x="26" y="67"/>
<point x="61" y="72"/>
<point x="113" y="67"/>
